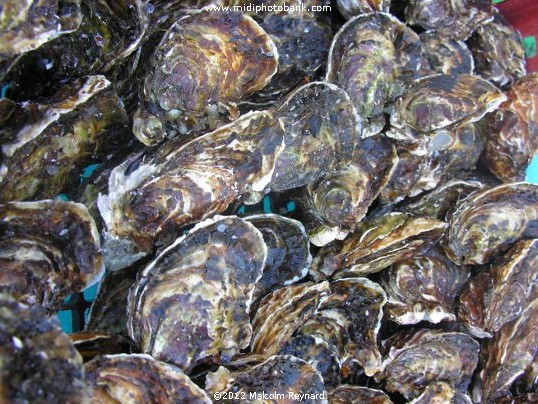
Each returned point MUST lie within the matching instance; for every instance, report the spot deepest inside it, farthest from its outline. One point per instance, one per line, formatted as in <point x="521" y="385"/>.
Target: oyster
<point x="500" y="295"/>
<point x="197" y="74"/>
<point x="280" y="378"/>
<point x="38" y="362"/>
<point x="451" y="18"/>
<point x="181" y="183"/>
<point x="441" y="393"/>
<point x="351" y="8"/>
<point x="139" y="378"/>
<point x="513" y="137"/>
<point x="498" y="52"/>
<point x="415" y="359"/>
<point x="348" y="394"/>
<point x="85" y="119"/>
<point x="441" y="55"/>
<point x="373" y="57"/>
<point x="288" y="252"/>
<point x="489" y="221"/>
<point x="376" y="244"/>
<point x="190" y="305"/>
<point x="423" y="288"/>
<point x="48" y="250"/>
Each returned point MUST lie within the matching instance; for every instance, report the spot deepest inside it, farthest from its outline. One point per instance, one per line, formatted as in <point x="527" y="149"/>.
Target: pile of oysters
<point x="319" y="201"/>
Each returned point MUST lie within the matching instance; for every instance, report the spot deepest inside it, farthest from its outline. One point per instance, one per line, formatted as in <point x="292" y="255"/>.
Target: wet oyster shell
<point x="441" y="393"/>
<point x="181" y="183"/>
<point x="26" y="25"/>
<point x="441" y="55"/>
<point x="452" y="19"/>
<point x="373" y="57"/>
<point x="191" y="304"/>
<point x="415" y="359"/>
<point x="139" y="378"/>
<point x="351" y="8"/>
<point x="85" y="119"/>
<point x="349" y="394"/>
<point x="513" y="137"/>
<point x="48" y="250"/>
<point x="489" y="221"/>
<point x="204" y="64"/>
<point x="423" y="288"/>
<point x="376" y="244"/>
<point x="498" y="52"/>
<point x="38" y="362"/>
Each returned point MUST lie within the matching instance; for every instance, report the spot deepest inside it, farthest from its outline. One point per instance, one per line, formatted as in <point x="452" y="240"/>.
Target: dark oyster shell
<point x="139" y="378"/>
<point x="416" y="359"/>
<point x="91" y="344"/>
<point x="513" y="136"/>
<point x="205" y="63"/>
<point x="38" y="362"/>
<point x="441" y="55"/>
<point x="351" y="8"/>
<point x="348" y="394"/>
<point x="441" y="393"/>
<point x="423" y="288"/>
<point x="376" y="244"/>
<point x="48" y="250"/>
<point x="85" y="119"/>
<point x="490" y="221"/>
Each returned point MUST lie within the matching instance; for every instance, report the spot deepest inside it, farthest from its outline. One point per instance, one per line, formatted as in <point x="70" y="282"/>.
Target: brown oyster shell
<point x="441" y="393"/>
<point x="350" y="394"/>
<point x="373" y="57"/>
<point x="139" y="378"/>
<point x="441" y="55"/>
<point x="376" y="244"/>
<point x="417" y="358"/>
<point x="38" y="362"/>
<point x="498" y="52"/>
<point x="490" y="221"/>
<point x="48" y="250"/>
<point x="513" y="137"/>
<point x="451" y="18"/>
<point x="423" y="288"/>
<point x="190" y="305"/>
<point x="205" y="63"/>
<point x="181" y="183"/>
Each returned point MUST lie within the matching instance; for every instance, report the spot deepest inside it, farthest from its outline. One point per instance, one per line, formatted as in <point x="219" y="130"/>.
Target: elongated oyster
<point x="498" y="52"/>
<point x="376" y="244"/>
<point x="490" y="221"/>
<point x="351" y="8"/>
<point x="190" y="305"/>
<point x="139" y="378"/>
<point x="205" y="63"/>
<point x="423" y="288"/>
<point x="81" y="121"/>
<point x="373" y="57"/>
<point x="26" y="25"/>
<point x="441" y="393"/>
<point x="339" y="201"/>
<point x="38" y="362"/>
<point x="288" y="252"/>
<point x="500" y="295"/>
<point x="48" y="250"/>
<point x="181" y="183"/>
<point x="451" y="18"/>
<point x="513" y="138"/>
<point x="415" y="359"/>
<point x="349" y="394"/>
<point x="510" y="353"/>
<point x="441" y="55"/>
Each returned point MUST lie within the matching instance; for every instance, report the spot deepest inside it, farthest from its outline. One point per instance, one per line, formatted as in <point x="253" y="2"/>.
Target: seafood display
<point x="290" y="201"/>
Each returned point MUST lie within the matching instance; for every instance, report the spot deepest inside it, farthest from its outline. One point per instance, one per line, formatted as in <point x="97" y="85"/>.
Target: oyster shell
<point x="48" y="250"/>
<point x="513" y="137"/>
<point x="489" y="221"/>
<point x="423" y="288"/>
<point x="351" y="8"/>
<point x="190" y="305"/>
<point x="139" y="378"/>
<point x="498" y="52"/>
<point x="349" y="394"/>
<point x="196" y="73"/>
<point x="441" y="393"/>
<point x="85" y="119"/>
<point x="38" y="362"/>
<point x="91" y="344"/>
<point x="373" y="57"/>
<point x="441" y="55"/>
<point x="452" y="19"/>
<point x="415" y="359"/>
<point x="376" y="244"/>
